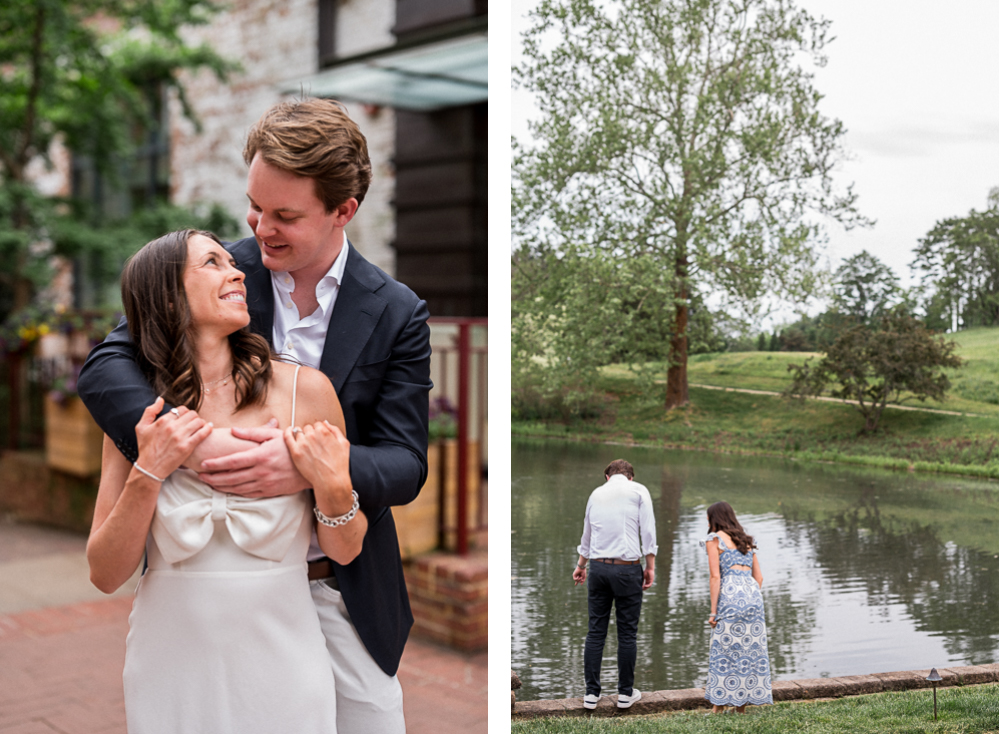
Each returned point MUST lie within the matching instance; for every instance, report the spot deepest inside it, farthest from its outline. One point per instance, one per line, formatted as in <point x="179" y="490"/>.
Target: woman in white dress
<point x="223" y="635"/>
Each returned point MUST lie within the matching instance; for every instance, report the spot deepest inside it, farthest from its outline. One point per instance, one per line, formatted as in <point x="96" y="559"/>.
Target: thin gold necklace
<point x="223" y="380"/>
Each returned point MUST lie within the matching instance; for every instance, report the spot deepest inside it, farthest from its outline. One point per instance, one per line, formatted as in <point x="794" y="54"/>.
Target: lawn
<point x="809" y="430"/>
<point x="969" y="709"/>
<point x="974" y="386"/>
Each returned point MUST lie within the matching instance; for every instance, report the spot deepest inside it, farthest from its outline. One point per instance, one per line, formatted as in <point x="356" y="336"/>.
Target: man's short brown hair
<point x="619" y="466"/>
<point x="314" y="138"/>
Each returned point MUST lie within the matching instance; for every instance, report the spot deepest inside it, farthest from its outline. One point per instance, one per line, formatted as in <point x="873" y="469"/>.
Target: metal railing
<point x="459" y="372"/>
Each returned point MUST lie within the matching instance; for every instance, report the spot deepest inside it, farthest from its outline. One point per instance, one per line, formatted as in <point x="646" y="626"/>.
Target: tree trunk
<point x="677" y="373"/>
<point x="677" y="377"/>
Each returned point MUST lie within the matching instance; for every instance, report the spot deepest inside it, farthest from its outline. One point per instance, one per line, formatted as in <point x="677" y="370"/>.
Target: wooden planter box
<point x="417" y="523"/>
<point x="73" y="441"/>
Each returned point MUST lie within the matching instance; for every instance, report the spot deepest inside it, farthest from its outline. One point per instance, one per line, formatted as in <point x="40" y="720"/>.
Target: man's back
<point x="618" y="531"/>
<point x="615" y="503"/>
<point x="619" y="521"/>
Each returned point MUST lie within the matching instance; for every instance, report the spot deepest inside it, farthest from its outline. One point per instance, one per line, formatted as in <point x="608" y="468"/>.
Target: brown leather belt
<point x="615" y="561"/>
<point x="323" y="569"/>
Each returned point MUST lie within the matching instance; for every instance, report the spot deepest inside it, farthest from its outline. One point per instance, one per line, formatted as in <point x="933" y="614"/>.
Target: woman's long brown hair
<point x="159" y="322"/>
<point x="721" y="517"/>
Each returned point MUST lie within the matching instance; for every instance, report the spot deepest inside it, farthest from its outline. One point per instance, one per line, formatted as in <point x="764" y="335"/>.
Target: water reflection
<point x="864" y="570"/>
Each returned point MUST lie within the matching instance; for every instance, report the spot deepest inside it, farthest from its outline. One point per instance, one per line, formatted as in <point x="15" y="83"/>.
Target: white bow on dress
<point x="187" y="510"/>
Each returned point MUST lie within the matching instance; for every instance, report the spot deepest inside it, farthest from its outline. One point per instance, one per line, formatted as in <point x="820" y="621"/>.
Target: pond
<point x="865" y="570"/>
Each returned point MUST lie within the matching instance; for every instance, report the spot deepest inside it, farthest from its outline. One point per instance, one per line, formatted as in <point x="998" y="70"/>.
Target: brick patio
<point x="61" y="664"/>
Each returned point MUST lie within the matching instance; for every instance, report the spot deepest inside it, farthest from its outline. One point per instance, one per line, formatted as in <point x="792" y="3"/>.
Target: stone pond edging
<point x="782" y="690"/>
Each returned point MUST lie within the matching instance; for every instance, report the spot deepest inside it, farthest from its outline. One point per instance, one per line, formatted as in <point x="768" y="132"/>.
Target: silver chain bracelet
<point x="336" y="522"/>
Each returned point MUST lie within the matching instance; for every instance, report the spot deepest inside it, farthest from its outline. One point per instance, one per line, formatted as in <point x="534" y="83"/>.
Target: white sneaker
<point x="590" y="701"/>
<point x="625" y="702"/>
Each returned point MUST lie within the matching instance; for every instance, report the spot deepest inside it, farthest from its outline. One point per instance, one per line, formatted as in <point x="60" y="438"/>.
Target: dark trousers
<point x="607" y="583"/>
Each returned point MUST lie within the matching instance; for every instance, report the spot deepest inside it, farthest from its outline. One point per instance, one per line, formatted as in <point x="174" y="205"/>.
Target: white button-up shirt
<point x="302" y="339"/>
<point x="619" y="521"/>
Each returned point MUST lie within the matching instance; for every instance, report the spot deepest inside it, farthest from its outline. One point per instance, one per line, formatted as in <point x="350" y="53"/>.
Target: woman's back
<point x="730" y="558"/>
<point x="739" y="670"/>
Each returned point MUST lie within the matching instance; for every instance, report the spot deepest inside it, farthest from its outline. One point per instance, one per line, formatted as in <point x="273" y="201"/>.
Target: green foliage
<point x="88" y="75"/>
<point x="22" y="328"/>
<point x="811" y="333"/>
<point x="442" y="420"/>
<point x="78" y="71"/>
<point x="107" y="246"/>
<point x="898" y="360"/>
<point x="686" y="135"/>
<point x="749" y="424"/>
<point x="572" y="314"/>
<point x="959" y="262"/>
<point x="864" y="288"/>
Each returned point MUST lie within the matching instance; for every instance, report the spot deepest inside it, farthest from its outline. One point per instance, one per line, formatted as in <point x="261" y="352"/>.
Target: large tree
<point x="685" y="132"/>
<point x="864" y="287"/>
<point x="87" y="74"/>
<point x="958" y="262"/>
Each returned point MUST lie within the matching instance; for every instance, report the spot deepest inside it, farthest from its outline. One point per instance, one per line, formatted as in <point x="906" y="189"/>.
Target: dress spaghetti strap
<point x="295" y="385"/>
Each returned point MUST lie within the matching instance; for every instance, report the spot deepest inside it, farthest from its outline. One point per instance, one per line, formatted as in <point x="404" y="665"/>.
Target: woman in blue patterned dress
<point x="738" y="669"/>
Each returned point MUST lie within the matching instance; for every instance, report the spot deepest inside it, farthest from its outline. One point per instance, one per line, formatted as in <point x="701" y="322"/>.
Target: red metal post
<point x="463" y="439"/>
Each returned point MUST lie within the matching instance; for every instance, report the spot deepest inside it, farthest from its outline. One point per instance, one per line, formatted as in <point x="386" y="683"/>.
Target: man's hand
<point x="579" y="575"/>
<point x="264" y="471"/>
<point x="648" y="576"/>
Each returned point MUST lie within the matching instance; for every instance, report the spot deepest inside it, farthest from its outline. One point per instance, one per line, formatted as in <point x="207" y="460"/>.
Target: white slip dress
<point x="223" y="635"/>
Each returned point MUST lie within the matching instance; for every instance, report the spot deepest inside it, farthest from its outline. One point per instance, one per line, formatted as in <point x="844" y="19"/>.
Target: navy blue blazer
<point x="377" y="355"/>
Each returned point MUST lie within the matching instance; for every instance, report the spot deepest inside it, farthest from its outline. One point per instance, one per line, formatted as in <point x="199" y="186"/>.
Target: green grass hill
<point x="764" y="424"/>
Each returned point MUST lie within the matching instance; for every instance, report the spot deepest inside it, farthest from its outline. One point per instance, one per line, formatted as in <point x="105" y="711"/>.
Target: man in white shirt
<point x="618" y="530"/>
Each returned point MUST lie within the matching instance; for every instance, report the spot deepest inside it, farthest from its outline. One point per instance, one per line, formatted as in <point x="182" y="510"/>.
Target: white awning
<point x="445" y="73"/>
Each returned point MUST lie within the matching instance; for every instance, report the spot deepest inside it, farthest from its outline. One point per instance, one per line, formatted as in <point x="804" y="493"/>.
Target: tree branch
<point x="31" y="110"/>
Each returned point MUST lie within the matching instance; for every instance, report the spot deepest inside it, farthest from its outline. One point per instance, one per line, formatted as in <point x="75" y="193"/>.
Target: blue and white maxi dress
<point x="738" y="667"/>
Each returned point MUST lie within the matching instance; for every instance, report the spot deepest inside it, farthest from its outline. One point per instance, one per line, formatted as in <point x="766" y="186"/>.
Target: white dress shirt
<point x="302" y="339"/>
<point x="619" y="521"/>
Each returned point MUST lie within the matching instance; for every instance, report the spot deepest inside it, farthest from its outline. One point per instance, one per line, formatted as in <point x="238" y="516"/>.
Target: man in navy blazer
<point x="308" y="173"/>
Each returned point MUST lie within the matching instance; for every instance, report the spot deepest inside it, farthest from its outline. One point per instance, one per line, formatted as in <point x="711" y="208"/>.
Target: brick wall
<point x="448" y="596"/>
<point x="32" y="492"/>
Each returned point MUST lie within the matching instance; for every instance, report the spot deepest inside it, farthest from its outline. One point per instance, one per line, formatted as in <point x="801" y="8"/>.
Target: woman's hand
<point x="166" y="442"/>
<point x="126" y="497"/>
<point x="322" y="454"/>
<point x="712" y="621"/>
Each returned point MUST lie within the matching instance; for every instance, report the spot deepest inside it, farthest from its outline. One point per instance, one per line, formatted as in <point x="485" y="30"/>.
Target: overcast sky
<point x="917" y="86"/>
